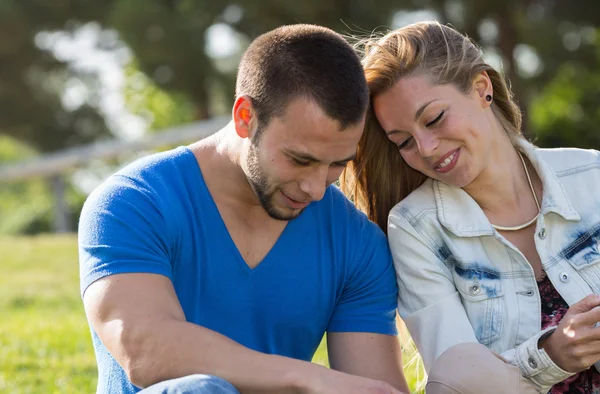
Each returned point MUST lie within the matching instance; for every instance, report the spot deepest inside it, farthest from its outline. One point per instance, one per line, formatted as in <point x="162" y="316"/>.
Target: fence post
<point x="61" y="222"/>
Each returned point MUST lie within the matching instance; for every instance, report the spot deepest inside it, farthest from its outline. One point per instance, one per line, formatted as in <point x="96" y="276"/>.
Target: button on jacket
<point x="462" y="281"/>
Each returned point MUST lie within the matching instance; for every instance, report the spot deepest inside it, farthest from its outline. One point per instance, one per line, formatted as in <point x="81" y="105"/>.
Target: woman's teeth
<point x="447" y="161"/>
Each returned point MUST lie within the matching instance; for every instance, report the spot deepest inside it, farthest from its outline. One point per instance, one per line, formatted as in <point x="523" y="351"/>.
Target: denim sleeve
<point x="122" y="230"/>
<point x="535" y="364"/>
<point x="368" y="299"/>
<point x="428" y="301"/>
<point x="431" y="307"/>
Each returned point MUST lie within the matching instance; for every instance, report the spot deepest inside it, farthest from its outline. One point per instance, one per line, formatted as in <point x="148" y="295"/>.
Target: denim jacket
<point x="462" y="281"/>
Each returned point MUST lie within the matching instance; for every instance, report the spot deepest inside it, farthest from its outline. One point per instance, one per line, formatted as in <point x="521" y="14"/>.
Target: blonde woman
<point x="496" y="242"/>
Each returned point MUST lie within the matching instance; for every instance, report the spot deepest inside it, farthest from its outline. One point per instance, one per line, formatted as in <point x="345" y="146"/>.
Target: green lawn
<point x="45" y="346"/>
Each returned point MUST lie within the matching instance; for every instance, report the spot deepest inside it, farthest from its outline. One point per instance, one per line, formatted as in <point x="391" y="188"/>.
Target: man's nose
<point x="315" y="183"/>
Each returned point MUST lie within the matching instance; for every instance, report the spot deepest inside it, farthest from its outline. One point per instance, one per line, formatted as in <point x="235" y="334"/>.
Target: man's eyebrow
<point x="307" y="157"/>
<point x="417" y="115"/>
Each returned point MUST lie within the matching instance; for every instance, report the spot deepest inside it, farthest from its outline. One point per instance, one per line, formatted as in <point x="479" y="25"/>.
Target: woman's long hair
<point x="379" y="178"/>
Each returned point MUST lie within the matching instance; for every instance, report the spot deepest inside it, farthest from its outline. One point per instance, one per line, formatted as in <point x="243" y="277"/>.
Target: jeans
<point x="193" y="384"/>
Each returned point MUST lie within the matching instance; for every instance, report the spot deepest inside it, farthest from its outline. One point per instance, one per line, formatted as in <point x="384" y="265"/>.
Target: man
<point x="218" y="267"/>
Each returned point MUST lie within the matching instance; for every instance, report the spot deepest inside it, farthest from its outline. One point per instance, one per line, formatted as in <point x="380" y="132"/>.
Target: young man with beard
<point x="218" y="267"/>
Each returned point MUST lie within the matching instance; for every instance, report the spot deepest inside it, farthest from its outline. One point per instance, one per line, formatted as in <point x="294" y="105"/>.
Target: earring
<point x="488" y="97"/>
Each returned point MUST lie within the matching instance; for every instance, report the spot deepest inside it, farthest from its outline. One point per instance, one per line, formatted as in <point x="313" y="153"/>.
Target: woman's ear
<point x="482" y="86"/>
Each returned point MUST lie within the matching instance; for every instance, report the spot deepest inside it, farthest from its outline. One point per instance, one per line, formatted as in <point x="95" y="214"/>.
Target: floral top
<point x="554" y="308"/>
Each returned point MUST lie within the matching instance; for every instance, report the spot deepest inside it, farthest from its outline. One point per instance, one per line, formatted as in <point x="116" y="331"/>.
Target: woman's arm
<point x="561" y="351"/>
<point x="428" y="301"/>
<point x="431" y="307"/>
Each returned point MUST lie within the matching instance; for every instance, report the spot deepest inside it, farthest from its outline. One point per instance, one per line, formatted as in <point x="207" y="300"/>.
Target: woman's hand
<point x="575" y="344"/>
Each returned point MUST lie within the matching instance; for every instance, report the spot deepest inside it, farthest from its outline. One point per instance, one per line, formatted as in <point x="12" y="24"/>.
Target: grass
<point x="45" y="344"/>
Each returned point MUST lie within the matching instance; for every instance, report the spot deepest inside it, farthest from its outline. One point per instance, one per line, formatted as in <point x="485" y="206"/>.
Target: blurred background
<point x="89" y="85"/>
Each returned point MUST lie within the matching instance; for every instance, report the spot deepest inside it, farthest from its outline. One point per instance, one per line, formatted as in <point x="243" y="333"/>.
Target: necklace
<point x="529" y="223"/>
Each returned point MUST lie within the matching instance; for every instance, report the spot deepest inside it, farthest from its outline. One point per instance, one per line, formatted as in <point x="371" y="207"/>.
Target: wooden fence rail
<point x="53" y="166"/>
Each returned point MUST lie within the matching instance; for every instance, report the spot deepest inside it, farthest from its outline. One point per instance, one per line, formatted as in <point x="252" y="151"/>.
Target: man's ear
<point x="482" y="85"/>
<point x="244" y="117"/>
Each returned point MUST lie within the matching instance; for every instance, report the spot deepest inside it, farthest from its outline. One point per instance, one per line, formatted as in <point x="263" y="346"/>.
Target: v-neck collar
<point x="213" y="215"/>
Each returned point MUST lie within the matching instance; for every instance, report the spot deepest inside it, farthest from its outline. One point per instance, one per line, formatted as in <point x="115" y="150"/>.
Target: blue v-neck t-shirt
<point x="330" y="269"/>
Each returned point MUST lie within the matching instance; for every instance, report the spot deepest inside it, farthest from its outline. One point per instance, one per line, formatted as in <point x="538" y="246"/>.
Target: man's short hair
<point x="303" y="61"/>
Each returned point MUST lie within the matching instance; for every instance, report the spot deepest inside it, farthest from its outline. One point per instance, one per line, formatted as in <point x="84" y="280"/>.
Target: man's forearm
<point x="172" y="349"/>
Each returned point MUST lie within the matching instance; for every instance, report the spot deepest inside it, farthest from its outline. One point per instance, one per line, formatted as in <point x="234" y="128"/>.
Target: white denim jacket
<point x="462" y="281"/>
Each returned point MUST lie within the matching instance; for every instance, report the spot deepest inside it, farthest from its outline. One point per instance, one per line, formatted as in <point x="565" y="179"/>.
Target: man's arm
<point x="374" y="356"/>
<point x="139" y="319"/>
<point x="362" y="334"/>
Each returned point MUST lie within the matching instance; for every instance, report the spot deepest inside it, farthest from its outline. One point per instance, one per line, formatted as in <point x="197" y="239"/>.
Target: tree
<point x="525" y="33"/>
<point x="32" y="80"/>
<point x="168" y="37"/>
<point x="566" y="111"/>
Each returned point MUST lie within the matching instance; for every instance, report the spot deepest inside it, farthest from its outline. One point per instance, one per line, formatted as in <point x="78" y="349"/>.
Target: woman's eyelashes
<point x="407" y="142"/>
<point x="436" y="120"/>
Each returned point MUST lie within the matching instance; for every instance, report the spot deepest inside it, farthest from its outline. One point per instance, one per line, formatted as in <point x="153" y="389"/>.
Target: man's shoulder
<point x="339" y="207"/>
<point x="151" y="184"/>
<point x="341" y="214"/>
<point x="157" y="165"/>
<point x="150" y="174"/>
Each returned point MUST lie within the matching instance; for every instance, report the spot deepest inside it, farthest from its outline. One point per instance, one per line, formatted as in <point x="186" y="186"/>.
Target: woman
<point x="494" y="240"/>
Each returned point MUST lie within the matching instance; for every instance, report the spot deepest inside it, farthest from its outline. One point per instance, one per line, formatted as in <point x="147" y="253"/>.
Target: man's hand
<point x="335" y="382"/>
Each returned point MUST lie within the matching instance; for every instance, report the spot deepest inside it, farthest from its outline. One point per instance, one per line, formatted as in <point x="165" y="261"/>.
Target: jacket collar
<point x="460" y="214"/>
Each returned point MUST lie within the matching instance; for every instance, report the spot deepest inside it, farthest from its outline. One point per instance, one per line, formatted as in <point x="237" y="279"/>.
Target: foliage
<point x="33" y="80"/>
<point x="566" y="113"/>
<point x="549" y="52"/>
<point x="533" y="38"/>
<point x="168" y="39"/>
<point x="26" y="207"/>
<point x="19" y="215"/>
<point x="159" y="108"/>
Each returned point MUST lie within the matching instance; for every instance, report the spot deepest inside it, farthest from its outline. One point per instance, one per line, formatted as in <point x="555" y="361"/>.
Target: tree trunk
<point x="507" y="41"/>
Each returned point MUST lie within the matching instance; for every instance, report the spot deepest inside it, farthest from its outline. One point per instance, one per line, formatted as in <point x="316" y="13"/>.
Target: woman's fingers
<point x="586" y="304"/>
<point x="575" y="344"/>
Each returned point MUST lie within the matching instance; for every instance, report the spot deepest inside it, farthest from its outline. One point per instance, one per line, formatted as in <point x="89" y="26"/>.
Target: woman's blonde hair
<point x="379" y="178"/>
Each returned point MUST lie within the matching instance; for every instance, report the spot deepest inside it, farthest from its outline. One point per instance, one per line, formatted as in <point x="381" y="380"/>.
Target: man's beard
<point x="260" y="183"/>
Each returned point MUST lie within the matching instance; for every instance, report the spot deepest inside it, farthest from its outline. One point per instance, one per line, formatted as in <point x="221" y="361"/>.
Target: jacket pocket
<point x="584" y="255"/>
<point x="589" y="270"/>
<point x="483" y="300"/>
